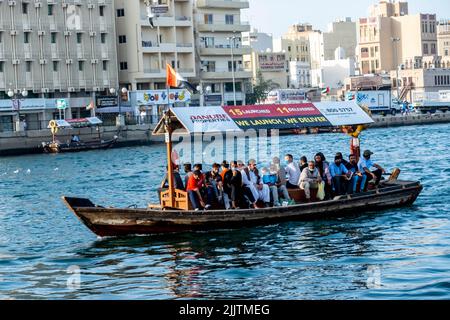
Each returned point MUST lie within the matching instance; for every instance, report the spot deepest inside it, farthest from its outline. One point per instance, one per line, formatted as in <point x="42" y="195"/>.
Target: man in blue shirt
<point x="339" y="175"/>
<point x="365" y="164"/>
<point x="357" y="176"/>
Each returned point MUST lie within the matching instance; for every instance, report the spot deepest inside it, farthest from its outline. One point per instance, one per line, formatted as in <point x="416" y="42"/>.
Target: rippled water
<point x="401" y="254"/>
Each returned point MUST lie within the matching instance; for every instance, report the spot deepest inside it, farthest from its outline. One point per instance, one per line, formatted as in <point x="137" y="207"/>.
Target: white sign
<point x="162" y="97"/>
<point x="343" y="113"/>
<point x="207" y="120"/>
<point x="61" y="104"/>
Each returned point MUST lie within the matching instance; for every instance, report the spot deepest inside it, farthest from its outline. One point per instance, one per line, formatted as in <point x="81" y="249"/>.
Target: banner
<point x="288" y="116"/>
<point x="159" y="97"/>
<point x="107" y="101"/>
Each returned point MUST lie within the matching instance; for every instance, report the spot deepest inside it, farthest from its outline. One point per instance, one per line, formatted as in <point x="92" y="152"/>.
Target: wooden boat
<point x="78" y="147"/>
<point x="121" y="222"/>
<point x="175" y="214"/>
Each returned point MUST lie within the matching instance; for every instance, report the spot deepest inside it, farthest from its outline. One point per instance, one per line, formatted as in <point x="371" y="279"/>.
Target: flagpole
<point x="170" y="174"/>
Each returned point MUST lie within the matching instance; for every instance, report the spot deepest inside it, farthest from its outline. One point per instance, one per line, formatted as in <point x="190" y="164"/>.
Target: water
<point x="397" y="254"/>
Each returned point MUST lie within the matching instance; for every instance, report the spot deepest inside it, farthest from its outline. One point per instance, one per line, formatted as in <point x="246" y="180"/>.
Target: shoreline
<point x="130" y="136"/>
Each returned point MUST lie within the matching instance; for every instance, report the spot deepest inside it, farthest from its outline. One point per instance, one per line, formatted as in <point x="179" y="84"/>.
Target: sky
<point x="275" y="16"/>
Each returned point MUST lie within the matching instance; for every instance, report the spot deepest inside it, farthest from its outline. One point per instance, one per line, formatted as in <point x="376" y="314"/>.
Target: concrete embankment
<point x="30" y="142"/>
<point x="411" y="119"/>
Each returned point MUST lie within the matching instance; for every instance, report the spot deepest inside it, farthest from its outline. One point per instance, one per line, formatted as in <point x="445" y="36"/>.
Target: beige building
<point x="143" y="49"/>
<point x="272" y="66"/>
<point x="341" y="34"/>
<point x="391" y="37"/>
<point x="443" y="37"/>
<point x="53" y="49"/>
<point x="218" y="33"/>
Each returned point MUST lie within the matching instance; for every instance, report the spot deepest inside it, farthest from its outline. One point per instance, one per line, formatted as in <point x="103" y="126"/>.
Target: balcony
<point x="225" y="74"/>
<point x="225" y="4"/>
<point x="221" y="26"/>
<point x="224" y="50"/>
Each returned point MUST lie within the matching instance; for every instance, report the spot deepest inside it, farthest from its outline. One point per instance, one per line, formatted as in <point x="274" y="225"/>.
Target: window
<point x="50" y="9"/>
<point x="425" y="48"/>
<point x="55" y="66"/>
<point x="103" y="38"/>
<point x="123" y="66"/>
<point x="120" y="12"/>
<point x="209" y="19"/>
<point x="229" y="19"/>
<point x="105" y="65"/>
<point x="26" y="37"/>
<point x="1" y="36"/>
<point x="122" y="39"/>
<point x="80" y="65"/>
<point x="229" y="87"/>
<point x="24" y="8"/>
<point x="433" y="48"/>
<point x="230" y="66"/>
<point x="79" y="38"/>
<point x="2" y="66"/>
<point x="28" y="66"/>
<point x="209" y="42"/>
<point x="101" y="10"/>
<point x="209" y="66"/>
<point x="53" y="37"/>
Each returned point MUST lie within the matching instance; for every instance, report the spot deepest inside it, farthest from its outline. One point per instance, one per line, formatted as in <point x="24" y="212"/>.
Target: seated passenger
<point x="188" y="172"/>
<point x="176" y="179"/>
<point x="357" y="176"/>
<point x="292" y="172"/>
<point x="237" y="187"/>
<point x="339" y="176"/>
<point x="193" y="191"/>
<point x="213" y="183"/>
<point x="271" y="179"/>
<point x="262" y="190"/>
<point x="303" y="163"/>
<point x="247" y="186"/>
<point x="226" y="176"/>
<point x="365" y="164"/>
<point x="310" y="179"/>
<point x="324" y="170"/>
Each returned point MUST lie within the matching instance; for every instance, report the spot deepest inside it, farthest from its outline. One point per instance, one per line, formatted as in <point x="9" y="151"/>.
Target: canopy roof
<point x="280" y="116"/>
<point x="78" y="123"/>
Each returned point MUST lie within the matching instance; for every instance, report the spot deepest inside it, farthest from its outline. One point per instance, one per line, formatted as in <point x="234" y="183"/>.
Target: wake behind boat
<point x="178" y="213"/>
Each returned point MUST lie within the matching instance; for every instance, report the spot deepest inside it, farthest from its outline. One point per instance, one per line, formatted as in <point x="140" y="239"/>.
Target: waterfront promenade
<point x="29" y="142"/>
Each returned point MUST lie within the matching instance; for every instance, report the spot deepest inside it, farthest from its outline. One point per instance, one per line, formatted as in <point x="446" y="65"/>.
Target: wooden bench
<point x="298" y="195"/>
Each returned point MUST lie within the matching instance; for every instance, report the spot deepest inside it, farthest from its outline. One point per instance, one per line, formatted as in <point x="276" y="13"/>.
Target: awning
<point x="78" y="123"/>
<point x="279" y="116"/>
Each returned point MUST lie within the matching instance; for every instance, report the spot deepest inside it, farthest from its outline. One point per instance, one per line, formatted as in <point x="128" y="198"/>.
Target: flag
<point x="326" y="90"/>
<point x="175" y="80"/>
<point x="91" y="106"/>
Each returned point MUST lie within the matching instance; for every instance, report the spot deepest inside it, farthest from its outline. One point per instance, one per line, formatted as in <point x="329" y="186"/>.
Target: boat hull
<point x="64" y="148"/>
<point x="121" y="222"/>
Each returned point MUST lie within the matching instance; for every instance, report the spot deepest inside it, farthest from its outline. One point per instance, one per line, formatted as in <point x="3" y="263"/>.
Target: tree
<point x="261" y="89"/>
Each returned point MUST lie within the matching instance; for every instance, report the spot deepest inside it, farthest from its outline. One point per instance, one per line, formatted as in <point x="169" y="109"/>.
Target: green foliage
<point x="261" y="89"/>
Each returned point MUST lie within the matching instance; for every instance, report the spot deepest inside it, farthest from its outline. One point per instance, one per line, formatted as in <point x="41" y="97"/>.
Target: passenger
<point x="227" y="176"/>
<point x="292" y="171"/>
<point x="237" y="187"/>
<point x="214" y="187"/>
<point x="324" y="169"/>
<point x="303" y="163"/>
<point x="194" y="192"/>
<point x="271" y="179"/>
<point x="343" y="161"/>
<point x="188" y="172"/>
<point x="281" y="182"/>
<point x="310" y="179"/>
<point x="357" y="176"/>
<point x="249" y="190"/>
<point x="365" y="164"/>
<point x="262" y="190"/>
<point x="339" y="175"/>
<point x="225" y="167"/>
<point x="178" y="181"/>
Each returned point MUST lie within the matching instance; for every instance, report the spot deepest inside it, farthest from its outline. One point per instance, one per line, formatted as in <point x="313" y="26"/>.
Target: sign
<point x="161" y="97"/>
<point x="16" y="104"/>
<point x="107" y="101"/>
<point x="160" y="9"/>
<point x="61" y="104"/>
<point x="272" y="61"/>
<point x="287" y="95"/>
<point x="289" y="116"/>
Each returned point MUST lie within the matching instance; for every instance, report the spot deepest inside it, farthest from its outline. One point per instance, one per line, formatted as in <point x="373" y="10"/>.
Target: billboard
<point x="272" y="61"/>
<point x="162" y="97"/>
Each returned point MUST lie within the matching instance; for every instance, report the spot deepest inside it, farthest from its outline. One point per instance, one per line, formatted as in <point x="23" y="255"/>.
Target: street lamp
<point x="203" y="92"/>
<point x="396" y="41"/>
<point x="16" y="98"/>
<point x="113" y="91"/>
<point x="232" y="44"/>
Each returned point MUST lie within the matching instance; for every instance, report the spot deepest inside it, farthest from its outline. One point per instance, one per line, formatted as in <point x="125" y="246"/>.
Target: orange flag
<point x="171" y="76"/>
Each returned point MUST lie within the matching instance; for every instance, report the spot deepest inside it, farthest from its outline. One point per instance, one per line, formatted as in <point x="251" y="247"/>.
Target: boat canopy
<point x="78" y="123"/>
<point x="278" y="116"/>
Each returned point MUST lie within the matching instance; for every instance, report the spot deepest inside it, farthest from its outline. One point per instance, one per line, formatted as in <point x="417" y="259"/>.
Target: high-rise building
<point x="151" y="34"/>
<point x="220" y="50"/>
<point x="51" y="50"/>
<point x="258" y="41"/>
<point x="341" y="34"/>
<point x="391" y="38"/>
<point x="443" y="38"/>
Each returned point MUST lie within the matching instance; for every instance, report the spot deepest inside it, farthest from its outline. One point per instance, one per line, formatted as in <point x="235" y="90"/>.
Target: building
<point x="332" y="73"/>
<point x="51" y="50"/>
<point x="341" y="34"/>
<point x="443" y="37"/>
<point x="390" y="36"/>
<point x="299" y="75"/>
<point x="218" y="33"/>
<point x="143" y="49"/>
<point x="270" y="65"/>
<point x="258" y="41"/>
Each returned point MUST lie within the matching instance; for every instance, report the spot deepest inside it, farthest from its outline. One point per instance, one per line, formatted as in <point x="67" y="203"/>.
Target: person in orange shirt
<point x="193" y="190"/>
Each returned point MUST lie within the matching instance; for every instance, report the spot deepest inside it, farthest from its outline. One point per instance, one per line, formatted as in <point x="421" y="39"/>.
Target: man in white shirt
<point x="263" y="190"/>
<point x="293" y="172"/>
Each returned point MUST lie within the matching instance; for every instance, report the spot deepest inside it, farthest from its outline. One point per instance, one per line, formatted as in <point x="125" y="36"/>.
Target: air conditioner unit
<point x="92" y="33"/>
<point x="38" y="4"/>
<point x="94" y="61"/>
<point x="13" y="32"/>
<point x="64" y="5"/>
<point x="42" y="61"/>
<point x="69" y="61"/>
<point x="11" y="3"/>
<point x="97" y="89"/>
<point x="45" y="90"/>
<point x="16" y="61"/>
<point x="41" y="33"/>
<point x="71" y="89"/>
<point x="91" y="6"/>
<point x="67" y="33"/>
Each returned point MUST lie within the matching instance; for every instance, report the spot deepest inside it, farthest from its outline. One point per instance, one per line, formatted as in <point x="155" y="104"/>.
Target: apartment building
<point x="218" y="33"/>
<point x="270" y="65"/>
<point x="54" y="49"/>
<point x="443" y="37"/>
<point x="391" y="37"/>
<point x="341" y="34"/>
<point x="145" y="45"/>
<point x="258" y="41"/>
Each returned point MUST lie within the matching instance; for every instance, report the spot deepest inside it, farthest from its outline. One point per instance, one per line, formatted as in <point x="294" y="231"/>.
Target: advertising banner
<point x="107" y="101"/>
<point x="159" y="97"/>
